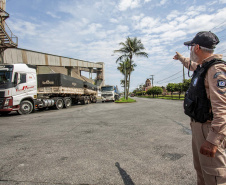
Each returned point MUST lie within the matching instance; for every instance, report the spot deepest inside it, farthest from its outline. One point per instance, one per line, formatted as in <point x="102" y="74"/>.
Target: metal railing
<point x="13" y="39"/>
<point x="4" y="14"/>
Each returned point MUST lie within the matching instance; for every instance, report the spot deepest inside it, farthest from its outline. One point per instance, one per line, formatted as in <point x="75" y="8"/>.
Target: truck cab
<point x="18" y="87"/>
<point x="109" y="93"/>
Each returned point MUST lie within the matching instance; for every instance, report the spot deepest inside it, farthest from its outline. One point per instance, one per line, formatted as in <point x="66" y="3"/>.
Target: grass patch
<point x="166" y="97"/>
<point x="123" y="100"/>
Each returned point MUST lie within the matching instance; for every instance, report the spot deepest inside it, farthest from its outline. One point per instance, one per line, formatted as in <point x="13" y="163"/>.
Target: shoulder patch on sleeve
<point x="221" y="83"/>
<point x="221" y="92"/>
<point x="219" y="73"/>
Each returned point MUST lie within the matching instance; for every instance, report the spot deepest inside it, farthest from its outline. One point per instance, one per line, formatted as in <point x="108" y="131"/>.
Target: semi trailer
<point x="109" y="93"/>
<point x="24" y="91"/>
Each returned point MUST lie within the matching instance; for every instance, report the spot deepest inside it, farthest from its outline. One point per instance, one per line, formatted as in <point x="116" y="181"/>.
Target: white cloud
<point x="181" y="19"/>
<point x="91" y="29"/>
<point x="25" y="28"/>
<point x="122" y="28"/>
<point x="162" y="2"/>
<point x="173" y="35"/>
<point x="173" y="14"/>
<point x="213" y="2"/>
<point x="137" y="17"/>
<point x="195" y="10"/>
<point x="125" y="4"/>
<point x="53" y="15"/>
<point x="112" y="20"/>
<point x="147" y="22"/>
<point x="222" y="1"/>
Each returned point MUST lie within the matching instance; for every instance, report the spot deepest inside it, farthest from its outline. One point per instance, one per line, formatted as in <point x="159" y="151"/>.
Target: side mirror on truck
<point x="16" y="79"/>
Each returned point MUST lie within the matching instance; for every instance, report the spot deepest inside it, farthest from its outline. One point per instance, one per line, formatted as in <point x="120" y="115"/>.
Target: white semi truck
<point x="24" y="91"/>
<point x="109" y="93"/>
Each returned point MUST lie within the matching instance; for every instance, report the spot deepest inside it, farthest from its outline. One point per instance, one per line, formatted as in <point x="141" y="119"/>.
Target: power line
<point x="174" y="79"/>
<point x="218" y="25"/>
<point x="164" y="67"/>
<point x="220" y="31"/>
<point x="222" y="51"/>
<point x="169" y="77"/>
<point x="168" y="64"/>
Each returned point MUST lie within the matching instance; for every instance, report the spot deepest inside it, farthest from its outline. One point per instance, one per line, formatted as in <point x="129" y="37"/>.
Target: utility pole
<point x="152" y="79"/>
<point x="125" y="84"/>
<point x="183" y="74"/>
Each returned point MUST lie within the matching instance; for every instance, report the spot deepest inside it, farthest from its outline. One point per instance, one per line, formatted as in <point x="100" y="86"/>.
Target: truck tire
<point x="26" y="107"/>
<point x="67" y="102"/>
<point x="4" y="113"/>
<point x="59" y="104"/>
<point x="94" y="99"/>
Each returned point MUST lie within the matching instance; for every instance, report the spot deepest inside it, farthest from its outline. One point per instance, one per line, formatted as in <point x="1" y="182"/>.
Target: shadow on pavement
<point x="125" y="177"/>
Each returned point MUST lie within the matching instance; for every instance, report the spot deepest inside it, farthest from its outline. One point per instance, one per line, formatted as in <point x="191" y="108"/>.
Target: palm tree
<point x="132" y="47"/>
<point x="124" y="69"/>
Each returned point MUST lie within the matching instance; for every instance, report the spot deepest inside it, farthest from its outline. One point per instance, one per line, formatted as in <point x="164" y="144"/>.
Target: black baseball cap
<point x="206" y="39"/>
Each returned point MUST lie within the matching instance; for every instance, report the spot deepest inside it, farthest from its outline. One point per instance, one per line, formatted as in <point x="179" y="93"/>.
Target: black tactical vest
<point x="196" y="103"/>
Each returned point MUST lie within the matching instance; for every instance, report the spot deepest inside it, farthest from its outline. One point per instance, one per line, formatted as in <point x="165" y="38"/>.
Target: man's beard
<point x="193" y="56"/>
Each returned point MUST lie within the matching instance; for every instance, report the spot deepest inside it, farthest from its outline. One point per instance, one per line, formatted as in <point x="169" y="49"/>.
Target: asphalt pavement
<point x="147" y="142"/>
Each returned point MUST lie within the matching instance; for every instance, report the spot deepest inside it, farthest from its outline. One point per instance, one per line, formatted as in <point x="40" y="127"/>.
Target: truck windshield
<point x="5" y="77"/>
<point x="108" y="88"/>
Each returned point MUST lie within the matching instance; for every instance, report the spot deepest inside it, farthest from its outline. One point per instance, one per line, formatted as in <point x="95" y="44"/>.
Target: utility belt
<point x="208" y="121"/>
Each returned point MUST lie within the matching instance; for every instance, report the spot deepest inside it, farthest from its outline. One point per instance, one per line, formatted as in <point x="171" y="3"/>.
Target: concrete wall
<point x="100" y="75"/>
<point x="3" y="4"/>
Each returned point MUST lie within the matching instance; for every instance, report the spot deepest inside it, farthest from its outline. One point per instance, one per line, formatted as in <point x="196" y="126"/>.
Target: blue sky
<point x="90" y="30"/>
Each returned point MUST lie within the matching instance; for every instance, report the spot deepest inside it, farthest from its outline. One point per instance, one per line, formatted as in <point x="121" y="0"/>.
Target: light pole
<point x="125" y="85"/>
<point x="152" y="80"/>
<point x="183" y="74"/>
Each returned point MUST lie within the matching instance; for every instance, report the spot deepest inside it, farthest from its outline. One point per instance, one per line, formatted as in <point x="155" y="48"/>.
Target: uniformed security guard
<point x="205" y="103"/>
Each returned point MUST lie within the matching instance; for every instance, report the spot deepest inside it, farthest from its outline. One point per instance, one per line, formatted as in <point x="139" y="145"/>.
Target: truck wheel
<point x="94" y="99"/>
<point x="67" y="102"/>
<point x="5" y="113"/>
<point x="59" y="103"/>
<point x="91" y="99"/>
<point x="26" y="107"/>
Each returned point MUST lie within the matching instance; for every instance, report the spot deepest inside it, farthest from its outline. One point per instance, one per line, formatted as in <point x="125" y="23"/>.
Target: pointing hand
<point x="178" y="56"/>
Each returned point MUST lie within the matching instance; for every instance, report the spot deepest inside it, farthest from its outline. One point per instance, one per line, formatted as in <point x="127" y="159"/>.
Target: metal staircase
<point x="7" y="38"/>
